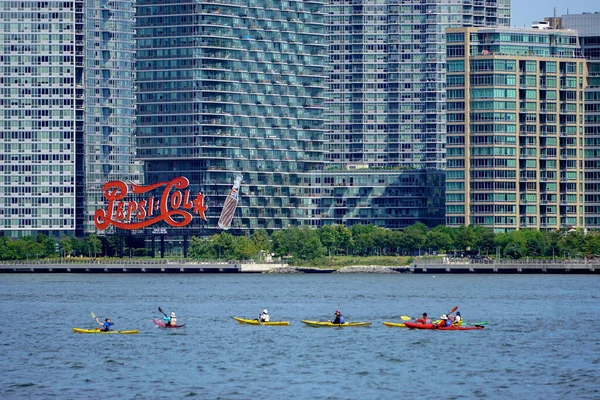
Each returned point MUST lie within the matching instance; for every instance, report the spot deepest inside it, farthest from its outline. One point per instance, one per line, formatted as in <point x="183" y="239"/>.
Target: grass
<point x="336" y="262"/>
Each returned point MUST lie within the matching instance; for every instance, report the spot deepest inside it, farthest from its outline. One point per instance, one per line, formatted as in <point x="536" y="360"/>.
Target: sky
<point x="524" y="12"/>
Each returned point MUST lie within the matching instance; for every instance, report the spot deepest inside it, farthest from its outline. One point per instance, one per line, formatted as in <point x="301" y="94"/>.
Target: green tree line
<point x="306" y="244"/>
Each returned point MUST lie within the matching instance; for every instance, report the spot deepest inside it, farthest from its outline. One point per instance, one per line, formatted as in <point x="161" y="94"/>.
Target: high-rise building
<point x="387" y="97"/>
<point x="515" y="128"/>
<point x="41" y="117"/>
<point x="67" y="112"/>
<point x="587" y="26"/>
<point x="236" y="87"/>
<point x="386" y="107"/>
<point x="109" y="140"/>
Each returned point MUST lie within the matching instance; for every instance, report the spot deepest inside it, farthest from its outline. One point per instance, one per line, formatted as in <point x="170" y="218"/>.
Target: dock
<point x="133" y="266"/>
<point x="194" y="267"/>
<point x="507" y="267"/>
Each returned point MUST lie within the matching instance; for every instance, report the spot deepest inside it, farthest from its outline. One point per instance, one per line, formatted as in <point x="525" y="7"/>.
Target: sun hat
<point x="265" y="312"/>
<point x="444" y="317"/>
<point x="172" y="315"/>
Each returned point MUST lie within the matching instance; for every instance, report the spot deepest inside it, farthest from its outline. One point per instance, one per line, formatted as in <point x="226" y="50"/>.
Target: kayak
<point x="414" y="325"/>
<point x="318" y="324"/>
<point x="163" y="325"/>
<point x="255" y="322"/>
<point x="81" y="330"/>
<point x="394" y="324"/>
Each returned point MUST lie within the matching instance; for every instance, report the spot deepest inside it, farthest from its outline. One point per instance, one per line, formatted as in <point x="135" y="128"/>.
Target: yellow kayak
<point x="394" y="324"/>
<point x="318" y="324"/>
<point x="81" y="330"/>
<point x="255" y="322"/>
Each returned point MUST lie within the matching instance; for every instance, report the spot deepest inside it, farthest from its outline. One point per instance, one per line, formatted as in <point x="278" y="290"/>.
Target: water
<point x="542" y="340"/>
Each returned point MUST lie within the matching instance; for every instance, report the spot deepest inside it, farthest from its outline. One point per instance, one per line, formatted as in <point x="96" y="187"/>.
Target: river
<point x="542" y="339"/>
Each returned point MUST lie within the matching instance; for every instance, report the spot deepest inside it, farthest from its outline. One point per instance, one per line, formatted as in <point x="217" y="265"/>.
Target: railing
<point x="531" y="262"/>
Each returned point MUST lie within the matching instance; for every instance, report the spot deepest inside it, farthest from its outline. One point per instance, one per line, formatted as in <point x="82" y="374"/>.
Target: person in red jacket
<point x="424" y="320"/>
<point x="445" y="321"/>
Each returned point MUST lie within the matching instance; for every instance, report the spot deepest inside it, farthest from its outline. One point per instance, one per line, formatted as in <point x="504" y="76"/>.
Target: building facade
<point x="386" y="106"/>
<point x="515" y="128"/>
<point x="109" y="141"/>
<point x="41" y="117"/>
<point x="234" y="88"/>
<point x="588" y="29"/>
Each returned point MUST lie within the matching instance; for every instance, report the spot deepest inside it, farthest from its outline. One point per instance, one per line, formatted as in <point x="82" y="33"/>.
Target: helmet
<point x="444" y="317"/>
<point x="173" y="315"/>
<point x="265" y="312"/>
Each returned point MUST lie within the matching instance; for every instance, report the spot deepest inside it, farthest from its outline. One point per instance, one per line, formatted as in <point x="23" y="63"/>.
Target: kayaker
<point x="445" y="321"/>
<point x="106" y="325"/>
<point x="171" y="320"/>
<point x="457" y="318"/>
<point x="424" y="320"/>
<point x="264" y="317"/>
<point x="339" y="319"/>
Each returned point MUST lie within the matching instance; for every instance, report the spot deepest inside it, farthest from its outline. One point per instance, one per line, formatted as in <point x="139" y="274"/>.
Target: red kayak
<point x="414" y="325"/>
<point x="163" y="325"/>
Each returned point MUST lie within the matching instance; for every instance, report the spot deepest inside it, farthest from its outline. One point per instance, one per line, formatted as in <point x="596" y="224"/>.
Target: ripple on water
<point x="518" y="351"/>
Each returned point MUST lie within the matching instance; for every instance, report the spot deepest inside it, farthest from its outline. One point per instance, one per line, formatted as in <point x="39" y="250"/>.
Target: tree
<point x="93" y="244"/>
<point x="201" y="249"/>
<point x="300" y="243"/>
<point x="224" y="244"/>
<point x="514" y="250"/>
<point x="67" y="245"/>
<point x="463" y="238"/>
<point x="262" y="241"/>
<point x="245" y="249"/>
<point x="438" y="240"/>
<point x="344" y="238"/>
<point x="46" y="245"/>
<point x="328" y="237"/>
<point x="482" y="238"/>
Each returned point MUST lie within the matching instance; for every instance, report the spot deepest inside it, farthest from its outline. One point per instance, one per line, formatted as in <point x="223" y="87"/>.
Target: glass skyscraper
<point x="515" y="128"/>
<point x="588" y="30"/>
<point x="110" y="100"/>
<point x="387" y="107"/>
<point x="387" y="82"/>
<point x="41" y="117"/>
<point x="234" y="87"/>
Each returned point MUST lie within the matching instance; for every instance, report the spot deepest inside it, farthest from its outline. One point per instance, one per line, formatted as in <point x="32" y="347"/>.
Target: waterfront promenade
<point x="420" y="266"/>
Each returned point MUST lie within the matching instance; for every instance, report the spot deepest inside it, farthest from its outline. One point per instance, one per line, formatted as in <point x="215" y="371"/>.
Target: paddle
<point x="161" y="310"/>
<point x="96" y="318"/>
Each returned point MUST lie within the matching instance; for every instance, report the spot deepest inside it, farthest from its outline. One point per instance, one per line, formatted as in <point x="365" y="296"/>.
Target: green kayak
<point x="318" y="324"/>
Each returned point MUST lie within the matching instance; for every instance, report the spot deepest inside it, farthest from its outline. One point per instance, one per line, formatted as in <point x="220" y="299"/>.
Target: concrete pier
<point x="191" y="267"/>
<point x="508" y="267"/>
<point x="131" y="266"/>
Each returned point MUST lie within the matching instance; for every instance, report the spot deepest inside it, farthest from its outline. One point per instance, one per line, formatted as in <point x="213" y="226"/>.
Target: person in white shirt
<point x="457" y="318"/>
<point x="264" y="317"/>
